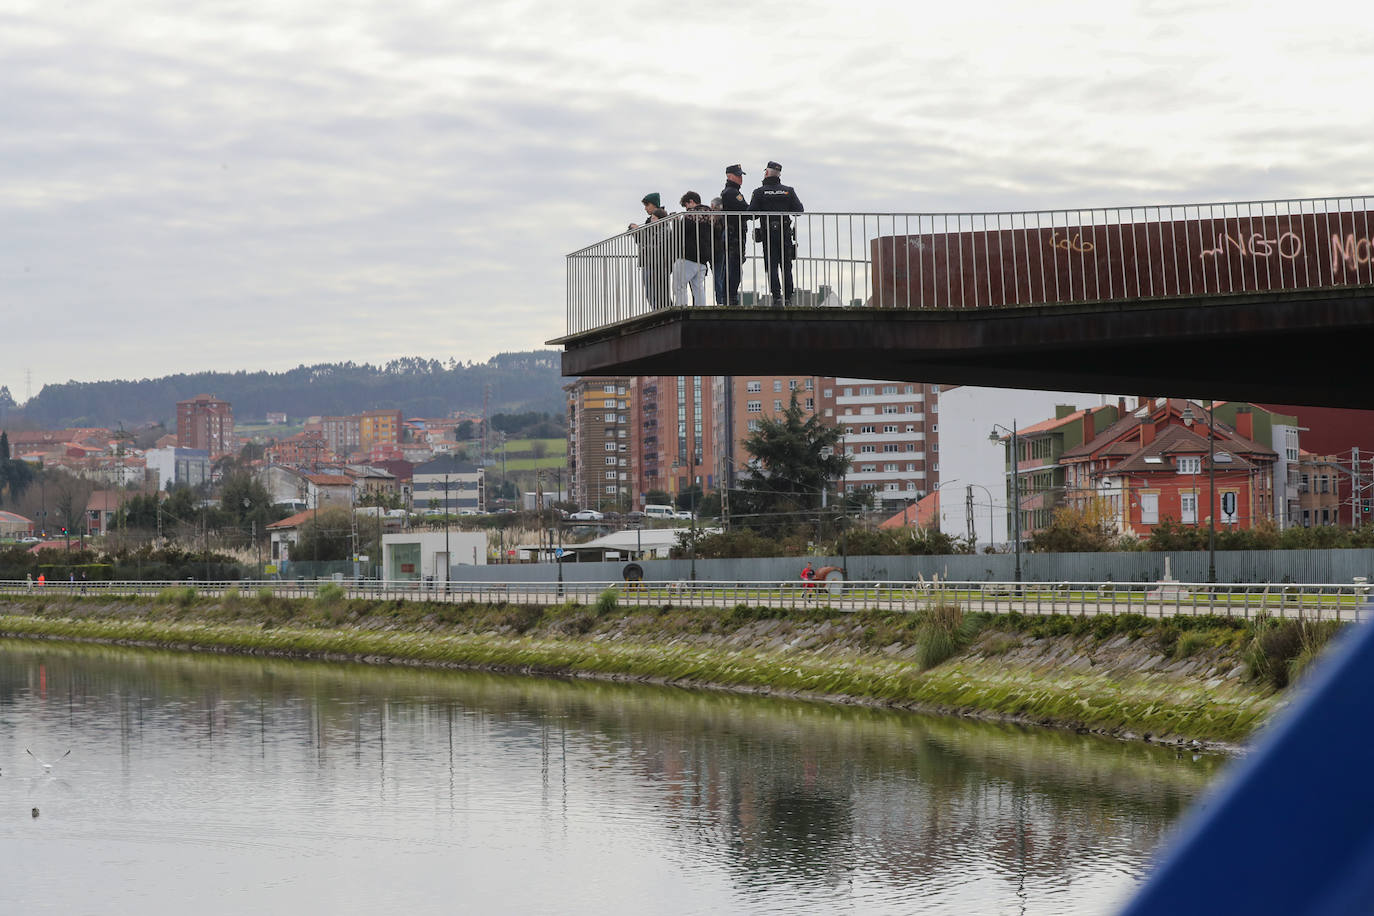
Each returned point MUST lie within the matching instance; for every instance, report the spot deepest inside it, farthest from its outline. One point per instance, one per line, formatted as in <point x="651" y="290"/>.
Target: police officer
<point x="775" y="232"/>
<point x="730" y="267"/>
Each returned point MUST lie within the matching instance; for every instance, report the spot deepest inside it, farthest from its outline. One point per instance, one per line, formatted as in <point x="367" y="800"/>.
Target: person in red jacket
<point x="809" y="577"/>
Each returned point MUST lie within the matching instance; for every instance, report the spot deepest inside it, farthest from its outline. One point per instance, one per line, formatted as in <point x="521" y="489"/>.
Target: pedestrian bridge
<point x="1257" y="301"/>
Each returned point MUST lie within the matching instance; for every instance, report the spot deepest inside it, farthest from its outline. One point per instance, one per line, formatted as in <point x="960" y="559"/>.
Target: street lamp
<point x="1188" y="417"/>
<point x="992" y="527"/>
<point x="1015" y="486"/>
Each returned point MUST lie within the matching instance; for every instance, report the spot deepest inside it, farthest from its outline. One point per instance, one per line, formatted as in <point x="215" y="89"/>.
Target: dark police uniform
<point x="731" y="266"/>
<point x="775" y="232"/>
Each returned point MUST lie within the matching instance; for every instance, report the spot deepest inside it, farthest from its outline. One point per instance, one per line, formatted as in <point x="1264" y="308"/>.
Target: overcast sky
<point x="259" y="184"/>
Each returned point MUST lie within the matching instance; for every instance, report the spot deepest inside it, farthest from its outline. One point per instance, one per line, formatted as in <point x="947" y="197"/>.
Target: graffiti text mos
<point x="1352" y="252"/>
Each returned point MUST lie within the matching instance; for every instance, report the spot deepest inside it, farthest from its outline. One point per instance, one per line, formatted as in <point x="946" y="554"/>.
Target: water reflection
<point x="357" y="789"/>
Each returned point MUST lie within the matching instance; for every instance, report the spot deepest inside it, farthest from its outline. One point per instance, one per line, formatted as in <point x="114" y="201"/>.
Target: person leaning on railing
<point x="730" y="268"/>
<point x="689" y="268"/>
<point x="775" y="232"/>
<point x="655" y="254"/>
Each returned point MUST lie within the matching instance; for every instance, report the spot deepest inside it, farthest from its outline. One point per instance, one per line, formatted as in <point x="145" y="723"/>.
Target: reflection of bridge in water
<point x="1269" y="301"/>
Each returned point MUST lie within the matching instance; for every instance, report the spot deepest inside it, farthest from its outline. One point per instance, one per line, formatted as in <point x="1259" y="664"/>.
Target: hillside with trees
<point x="519" y="382"/>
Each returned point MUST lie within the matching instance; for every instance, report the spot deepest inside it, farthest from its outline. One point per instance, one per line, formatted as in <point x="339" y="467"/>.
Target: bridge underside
<point x="1312" y="347"/>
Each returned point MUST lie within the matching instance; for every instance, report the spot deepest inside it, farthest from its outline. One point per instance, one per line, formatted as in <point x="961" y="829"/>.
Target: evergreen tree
<point x="796" y="460"/>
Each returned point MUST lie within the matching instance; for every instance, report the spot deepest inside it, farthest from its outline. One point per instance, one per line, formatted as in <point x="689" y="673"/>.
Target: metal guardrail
<point x="993" y="260"/>
<point x="1344" y="602"/>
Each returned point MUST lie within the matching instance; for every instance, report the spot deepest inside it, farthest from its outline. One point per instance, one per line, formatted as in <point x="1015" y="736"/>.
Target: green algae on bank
<point x="1124" y="677"/>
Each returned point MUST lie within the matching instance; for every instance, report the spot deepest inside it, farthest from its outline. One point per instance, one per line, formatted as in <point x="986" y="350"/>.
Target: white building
<point x="432" y="555"/>
<point x="973" y="472"/>
<point x="891" y="435"/>
<point x="177" y="467"/>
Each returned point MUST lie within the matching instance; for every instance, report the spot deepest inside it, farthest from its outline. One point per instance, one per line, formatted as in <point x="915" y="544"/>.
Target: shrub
<point x="330" y="593"/>
<point x="944" y="629"/>
<point x="181" y="596"/>
<point x="1281" y="651"/>
<point x="1189" y="644"/>
<point x="606" y="602"/>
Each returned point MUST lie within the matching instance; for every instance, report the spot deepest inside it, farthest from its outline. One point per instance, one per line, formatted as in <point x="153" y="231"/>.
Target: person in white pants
<point x="693" y="251"/>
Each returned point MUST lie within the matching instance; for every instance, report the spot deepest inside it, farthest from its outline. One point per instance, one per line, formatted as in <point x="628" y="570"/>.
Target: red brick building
<point x="1152" y="465"/>
<point x="206" y="422"/>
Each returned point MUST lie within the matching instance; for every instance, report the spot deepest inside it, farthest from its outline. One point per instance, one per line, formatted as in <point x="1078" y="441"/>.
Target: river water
<point x="213" y="784"/>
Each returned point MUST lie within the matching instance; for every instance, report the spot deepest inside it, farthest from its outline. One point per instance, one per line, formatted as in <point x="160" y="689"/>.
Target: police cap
<point x="774" y="166"/>
<point x="734" y="170"/>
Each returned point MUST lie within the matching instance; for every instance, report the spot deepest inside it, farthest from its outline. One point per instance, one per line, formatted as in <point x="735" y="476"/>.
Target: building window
<point x="754" y="407"/>
<point x="866" y="391"/>
<point x="777" y="385"/>
<point x="810" y="403"/>
<point x="753" y="426"/>
<point x="889" y="389"/>
<point x="828" y="393"/>
<point x="867" y="428"/>
<point x="792" y="384"/>
<point x="1187" y="505"/>
<point x="610" y="460"/>
<point x="610" y="418"/>
<point x="809" y="384"/>
<point x="867" y="449"/>
<point x="610" y="446"/>
<point x="610" y="475"/>
<point x="753" y="387"/>
<point x="1189" y="465"/>
<point x="892" y="447"/>
<point x="890" y="428"/>
<point x="608" y="389"/>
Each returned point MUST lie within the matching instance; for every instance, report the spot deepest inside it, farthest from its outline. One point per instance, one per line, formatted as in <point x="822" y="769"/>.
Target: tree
<point x="689" y="498"/>
<point x="1086" y="529"/>
<point x="796" y="460"/>
<point x="658" y="498"/>
<point x="329" y="536"/>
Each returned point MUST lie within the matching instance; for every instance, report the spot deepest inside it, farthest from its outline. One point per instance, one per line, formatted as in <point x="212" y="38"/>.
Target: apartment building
<point x="342" y="435"/>
<point x="206" y="422"/>
<point x="739" y="405"/>
<point x="892" y="436"/>
<point x="447" y="485"/>
<point x="599" y="441"/>
<point x="1319" y="490"/>
<point x="673" y="443"/>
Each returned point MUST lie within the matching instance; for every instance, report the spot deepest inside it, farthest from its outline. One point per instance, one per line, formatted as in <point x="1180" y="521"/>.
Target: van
<point x="658" y="511"/>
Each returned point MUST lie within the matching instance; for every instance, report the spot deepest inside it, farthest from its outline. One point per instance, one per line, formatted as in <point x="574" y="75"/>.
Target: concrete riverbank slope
<point x="1207" y="680"/>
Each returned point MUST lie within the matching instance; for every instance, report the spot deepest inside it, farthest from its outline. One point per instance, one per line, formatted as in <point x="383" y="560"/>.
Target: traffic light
<point x="64" y="530"/>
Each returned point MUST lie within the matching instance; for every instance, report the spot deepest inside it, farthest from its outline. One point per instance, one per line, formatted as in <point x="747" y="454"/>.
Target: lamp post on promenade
<point x="1015" y="486"/>
<point x="1188" y="418"/>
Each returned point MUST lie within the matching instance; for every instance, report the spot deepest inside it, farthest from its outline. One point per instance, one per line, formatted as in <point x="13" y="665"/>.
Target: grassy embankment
<point x="1210" y="679"/>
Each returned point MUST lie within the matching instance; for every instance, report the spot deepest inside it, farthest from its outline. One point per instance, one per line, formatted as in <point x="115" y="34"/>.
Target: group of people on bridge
<point x="714" y="238"/>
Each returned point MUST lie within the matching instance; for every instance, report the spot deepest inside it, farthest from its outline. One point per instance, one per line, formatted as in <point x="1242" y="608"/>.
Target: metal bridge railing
<point x="1340" y="602"/>
<point x="982" y="260"/>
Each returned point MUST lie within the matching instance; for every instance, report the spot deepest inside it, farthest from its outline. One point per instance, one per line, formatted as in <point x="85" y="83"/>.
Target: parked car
<point x="635" y="516"/>
<point x="683" y="516"/>
<point x="586" y="515"/>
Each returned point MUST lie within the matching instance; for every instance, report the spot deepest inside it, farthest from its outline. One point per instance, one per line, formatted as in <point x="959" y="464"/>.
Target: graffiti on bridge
<point x="1127" y="259"/>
